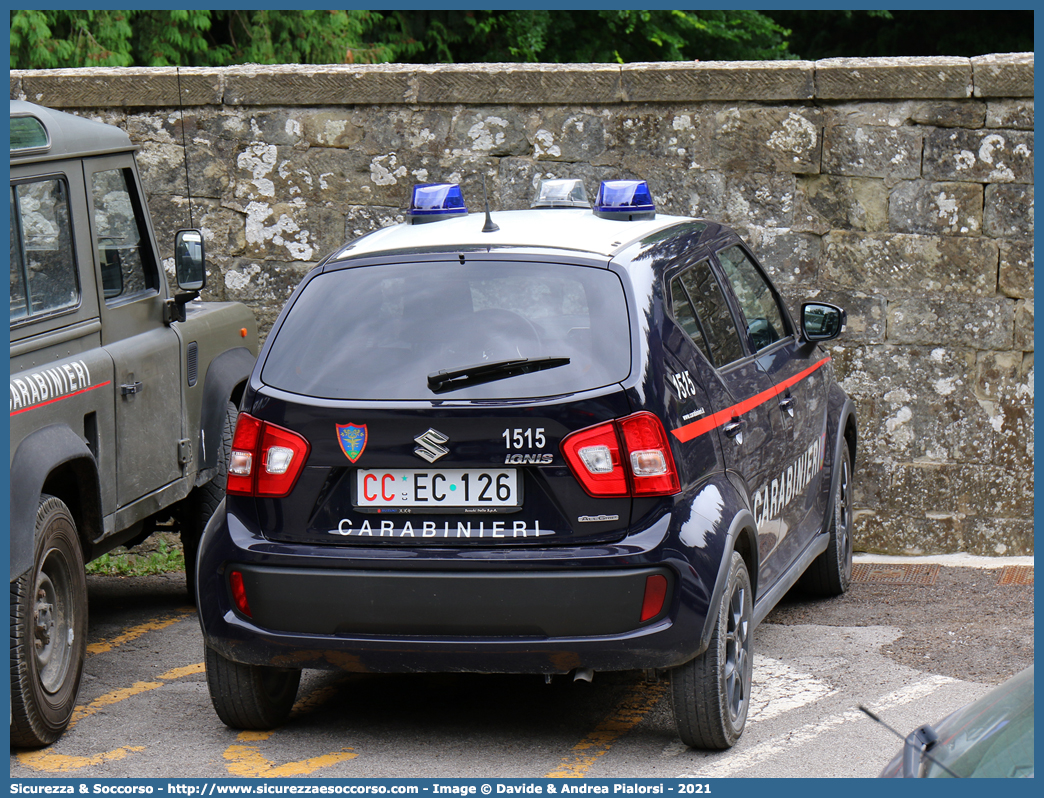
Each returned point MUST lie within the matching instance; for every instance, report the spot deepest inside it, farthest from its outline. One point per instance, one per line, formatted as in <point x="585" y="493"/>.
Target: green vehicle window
<point x="43" y="264"/>
<point x="126" y="265"/>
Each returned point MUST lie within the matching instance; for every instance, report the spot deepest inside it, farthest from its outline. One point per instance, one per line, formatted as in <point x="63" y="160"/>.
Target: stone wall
<point x="901" y="189"/>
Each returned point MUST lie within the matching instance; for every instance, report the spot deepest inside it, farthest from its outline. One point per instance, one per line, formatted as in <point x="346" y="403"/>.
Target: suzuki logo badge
<point x="431" y="448"/>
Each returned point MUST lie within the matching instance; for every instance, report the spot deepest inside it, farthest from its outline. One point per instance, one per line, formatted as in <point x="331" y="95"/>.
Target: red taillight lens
<point x="642" y="466"/>
<point x="235" y="581"/>
<point x="652" y="464"/>
<point x="265" y="459"/>
<point x="655" y="593"/>
<point x="594" y="456"/>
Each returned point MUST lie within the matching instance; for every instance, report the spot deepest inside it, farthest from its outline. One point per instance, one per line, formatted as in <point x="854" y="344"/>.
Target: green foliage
<point x="120" y="562"/>
<point x="576" y="36"/>
<point x="51" y="39"/>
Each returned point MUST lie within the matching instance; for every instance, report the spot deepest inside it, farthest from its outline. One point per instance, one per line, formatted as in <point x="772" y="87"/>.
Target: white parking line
<point x="740" y="760"/>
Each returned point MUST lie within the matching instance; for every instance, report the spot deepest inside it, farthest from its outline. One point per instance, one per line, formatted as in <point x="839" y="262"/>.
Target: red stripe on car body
<point x="697" y="428"/>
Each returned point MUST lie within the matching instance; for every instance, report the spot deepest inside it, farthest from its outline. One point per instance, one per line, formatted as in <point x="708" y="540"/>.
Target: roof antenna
<point x="490" y="226"/>
<point x="184" y="146"/>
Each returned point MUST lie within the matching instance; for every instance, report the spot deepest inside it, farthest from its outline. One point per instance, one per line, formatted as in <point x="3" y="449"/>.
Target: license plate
<point x="434" y="489"/>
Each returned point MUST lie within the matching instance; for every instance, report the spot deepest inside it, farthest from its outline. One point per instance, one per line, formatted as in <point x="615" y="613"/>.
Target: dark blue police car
<point x="552" y="441"/>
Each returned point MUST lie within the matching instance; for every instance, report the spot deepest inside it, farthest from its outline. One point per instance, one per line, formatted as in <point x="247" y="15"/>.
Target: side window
<point x="701" y="309"/>
<point x="763" y="316"/>
<point x="127" y="265"/>
<point x="43" y="263"/>
<point x="686" y="317"/>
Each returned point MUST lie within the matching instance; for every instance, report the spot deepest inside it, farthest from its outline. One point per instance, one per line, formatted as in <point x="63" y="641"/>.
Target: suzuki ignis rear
<point x="554" y="441"/>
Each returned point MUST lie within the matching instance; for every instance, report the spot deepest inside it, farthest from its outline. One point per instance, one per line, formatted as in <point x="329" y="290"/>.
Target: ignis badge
<point x="352" y="438"/>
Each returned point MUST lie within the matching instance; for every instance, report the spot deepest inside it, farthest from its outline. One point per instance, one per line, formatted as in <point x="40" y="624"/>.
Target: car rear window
<point x="378" y="332"/>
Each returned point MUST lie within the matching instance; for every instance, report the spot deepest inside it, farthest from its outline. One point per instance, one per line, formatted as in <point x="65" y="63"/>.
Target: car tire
<point x="830" y="574"/>
<point x="711" y="693"/>
<point x="48" y="630"/>
<point x="250" y="697"/>
<point x="204" y="500"/>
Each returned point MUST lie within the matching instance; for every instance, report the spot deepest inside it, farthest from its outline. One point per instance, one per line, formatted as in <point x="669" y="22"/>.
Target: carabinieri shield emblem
<point x="352" y="438"/>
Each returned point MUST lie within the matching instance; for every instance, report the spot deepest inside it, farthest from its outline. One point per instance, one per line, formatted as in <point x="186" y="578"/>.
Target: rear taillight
<point x="265" y="459"/>
<point x="627" y="457"/>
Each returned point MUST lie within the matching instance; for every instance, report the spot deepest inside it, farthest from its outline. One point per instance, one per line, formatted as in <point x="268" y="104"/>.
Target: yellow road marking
<point x="135" y="632"/>
<point x="188" y="670"/>
<point x="634" y="706"/>
<point x="109" y="699"/>
<point x="246" y="760"/>
<point x="60" y="763"/>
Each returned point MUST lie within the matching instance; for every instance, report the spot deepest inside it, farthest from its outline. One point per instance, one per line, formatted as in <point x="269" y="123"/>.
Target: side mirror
<point x="190" y="265"/>
<point x="822" y="322"/>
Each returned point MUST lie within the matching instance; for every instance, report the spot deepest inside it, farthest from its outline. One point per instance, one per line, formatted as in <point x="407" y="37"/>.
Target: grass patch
<point x="163" y="557"/>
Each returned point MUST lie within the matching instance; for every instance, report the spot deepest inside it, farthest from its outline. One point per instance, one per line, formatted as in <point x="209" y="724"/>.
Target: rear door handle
<point x="787" y="405"/>
<point x="132" y="388"/>
<point x="734" y="429"/>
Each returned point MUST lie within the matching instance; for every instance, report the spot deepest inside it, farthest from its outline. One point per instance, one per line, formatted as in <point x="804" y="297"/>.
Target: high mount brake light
<point x="629" y="456"/>
<point x="624" y="199"/>
<point x="433" y="201"/>
<point x="265" y="459"/>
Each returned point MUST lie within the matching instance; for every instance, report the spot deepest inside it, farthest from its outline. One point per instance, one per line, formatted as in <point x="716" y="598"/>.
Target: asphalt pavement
<point x="912" y="639"/>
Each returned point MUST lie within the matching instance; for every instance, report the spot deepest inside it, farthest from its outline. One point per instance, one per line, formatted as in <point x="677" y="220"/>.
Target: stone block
<point x="572" y="136"/>
<point x="336" y="129"/>
<point x="310" y="85"/>
<point x="1016" y="269"/>
<point x="954" y="113"/>
<point x="266" y="282"/>
<point x="292" y="231"/>
<point x="916" y="403"/>
<point x="893" y="78"/>
<point x="1024" y="325"/>
<point x="998" y="376"/>
<point x="682" y="137"/>
<point x="828" y="202"/>
<point x="911" y="263"/>
<point x="979" y="324"/>
<point x="872" y="485"/>
<point x="1003" y="75"/>
<point x="760" y="81"/>
<point x="990" y="492"/>
<point x="872" y="152"/>
<point x="361" y="219"/>
<point x="762" y="139"/>
<point x="1015" y="114"/>
<point x="417" y="131"/>
<point x="918" y="206"/>
<point x="791" y="259"/>
<point x="895" y="532"/>
<point x="16" y="86"/>
<point x="999" y="537"/>
<point x="488" y="132"/>
<point x="123" y="87"/>
<point x="1009" y="211"/>
<point x="523" y="84"/>
<point x="926" y="488"/>
<point x="980" y="156"/>
<point x="765" y="200"/>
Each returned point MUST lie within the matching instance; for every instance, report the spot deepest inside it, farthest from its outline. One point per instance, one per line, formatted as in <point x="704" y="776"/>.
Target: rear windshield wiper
<point x="443" y="381"/>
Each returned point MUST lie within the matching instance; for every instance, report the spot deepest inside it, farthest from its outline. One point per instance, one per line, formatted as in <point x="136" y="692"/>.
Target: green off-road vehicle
<point x="122" y="396"/>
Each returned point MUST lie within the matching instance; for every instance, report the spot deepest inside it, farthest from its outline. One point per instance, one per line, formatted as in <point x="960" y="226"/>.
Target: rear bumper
<point x="324" y="601"/>
<point x="533" y="611"/>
